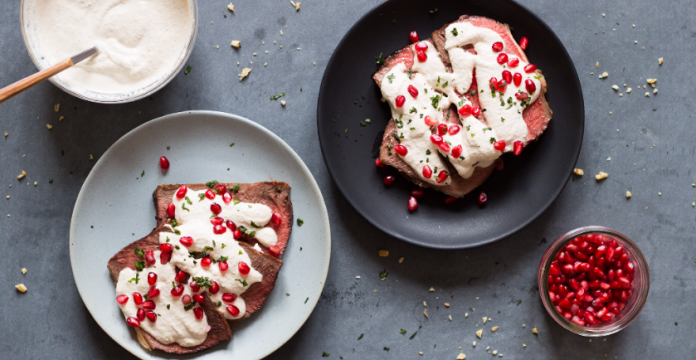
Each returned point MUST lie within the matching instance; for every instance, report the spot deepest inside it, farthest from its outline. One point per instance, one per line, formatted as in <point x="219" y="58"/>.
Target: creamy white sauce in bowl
<point x="143" y="43"/>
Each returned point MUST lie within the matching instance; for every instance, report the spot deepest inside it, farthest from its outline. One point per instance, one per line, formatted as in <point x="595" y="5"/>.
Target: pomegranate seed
<point x="476" y="111"/>
<point x="133" y="321"/>
<point x="206" y="261"/>
<point x="530" y="86"/>
<point x="507" y="76"/>
<point x="237" y="234"/>
<point x="223" y="265"/>
<point x="502" y="58"/>
<point x="530" y="68"/>
<point x="122" y="299"/>
<point x="435" y="139"/>
<point x="450" y="200"/>
<point x="442" y="129"/>
<point x="482" y="198"/>
<point x="523" y="43"/>
<point x="233" y="310"/>
<point x="215" y="208"/>
<point x="227" y="197"/>
<point x="413" y="91"/>
<point x="150" y="257"/>
<point x="457" y="151"/>
<point x="181" y="193"/>
<point x="209" y="194"/>
<point x="427" y="172"/>
<point x="378" y="163"/>
<point x="219" y="229"/>
<point x="220" y="188"/>
<point x="400" y="100"/>
<point x="493" y="83"/>
<point x="465" y="110"/>
<point x="164" y="163"/>
<point x="412" y="203"/>
<point x="499" y="145"/>
<point x="171" y="210"/>
<point x="499" y="165"/>
<point x="214" y="287"/>
<point x="149" y="305"/>
<point x="413" y="37"/>
<point x="140" y="314"/>
<point x="151" y="316"/>
<point x="401" y="150"/>
<point x="274" y="250"/>
<point x="164" y="257"/>
<point x="194" y="286"/>
<point x="521" y="96"/>
<point x="517" y="147"/>
<point x="417" y="193"/>
<point x="180" y="276"/>
<point x="229" y="297"/>
<point x="243" y="268"/>
<point x="501" y="86"/>
<point x="609" y="254"/>
<point x="577" y="321"/>
<point x="513" y="62"/>
<point x="199" y="298"/>
<point x="186" y="241"/>
<point x="276" y="219"/>
<point x="178" y="290"/>
<point x="388" y="180"/>
<point x="231" y="225"/>
<point x="186" y="299"/>
<point x="198" y="312"/>
<point x="444" y="147"/>
<point x="517" y="79"/>
<point x="151" y="278"/>
<point x="421" y="56"/>
<point x="454" y="129"/>
<point x="430" y="121"/>
<point x="165" y="247"/>
<point x="217" y="220"/>
<point x="153" y="292"/>
<point x="421" y="46"/>
<point x="442" y="176"/>
<point x="497" y="46"/>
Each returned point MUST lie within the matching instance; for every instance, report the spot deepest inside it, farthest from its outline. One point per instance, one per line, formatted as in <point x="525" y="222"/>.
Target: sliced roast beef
<point x="269" y="266"/>
<point x="275" y="195"/>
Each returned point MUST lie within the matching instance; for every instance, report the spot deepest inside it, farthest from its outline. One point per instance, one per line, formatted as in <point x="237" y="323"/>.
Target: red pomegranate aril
<point x="502" y="58"/>
<point x="442" y="176"/>
<point x="186" y="299"/>
<point x="198" y="313"/>
<point x="523" y="43"/>
<point x="274" y="250"/>
<point x="233" y="310"/>
<point x="577" y="321"/>
<point x="430" y="121"/>
<point x="401" y="150"/>
<point x="236" y="234"/>
<point x="227" y="197"/>
<point x="422" y="56"/>
<point x="122" y="299"/>
<point x="435" y="139"/>
<point x="442" y="129"/>
<point x="132" y="321"/>
<point x="165" y="247"/>
<point x="186" y="241"/>
<point x="630" y="268"/>
<point x="607" y="317"/>
<point x="194" y="286"/>
<point x="150" y="257"/>
<point x="413" y="91"/>
<point x="427" y="172"/>
<point x="180" y="276"/>
<point x="275" y="219"/>
<point x="181" y="193"/>
<point x="209" y="194"/>
<point x="229" y="298"/>
<point x="152" y="316"/>
<point x="421" y="46"/>
<point x="231" y="225"/>
<point x="177" y="290"/>
<point x="517" y="79"/>
<point x="412" y="203"/>
<point x="413" y="37"/>
<point x="217" y="220"/>
<point x="499" y="145"/>
<point x="388" y="180"/>
<point x="219" y="229"/>
<point x="220" y="188"/>
<point x="457" y="151"/>
<point x="214" y="287"/>
<point x="609" y="255"/>
<point x="140" y="314"/>
<point x="151" y="278"/>
<point x="517" y="147"/>
<point x="378" y="163"/>
<point x="475" y="111"/>
<point x="149" y="305"/>
<point x="610" y="275"/>
<point x="450" y="200"/>
<point x="497" y="46"/>
<point x="215" y="208"/>
<point x="223" y="265"/>
<point x="417" y="193"/>
<point x="553" y="270"/>
<point x="454" y="129"/>
<point x="153" y="292"/>
<point x="565" y="304"/>
<point x="206" y="261"/>
<point x="199" y="298"/>
<point x="444" y="147"/>
<point x="171" y="210"/>
<point x="243" y="268"/>
<point x="530" y="68"/>
<point x="465" y="110"/>
<point x="513" y="62"/>
<point x="507" y="76"/>
<point x="530" y="86"/>
<point x="521" y="96"/>
<point x="164" y="163"/>
<point x="482" y="198"/>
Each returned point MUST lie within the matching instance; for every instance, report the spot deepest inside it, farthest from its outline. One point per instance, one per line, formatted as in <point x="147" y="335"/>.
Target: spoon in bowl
<point x="29" y="81"/>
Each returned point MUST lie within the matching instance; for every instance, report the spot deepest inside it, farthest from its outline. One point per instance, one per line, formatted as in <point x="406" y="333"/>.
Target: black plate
<point x="518" y="194"/>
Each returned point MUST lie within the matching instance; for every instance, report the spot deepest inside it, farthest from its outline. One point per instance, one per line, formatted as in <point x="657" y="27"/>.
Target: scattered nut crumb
<point x="604" y="75"/>
<point x="652" y="82"/>
<point x="425" y="304"/>
<point x="420" y="353"/>
<point x="245" y="72"/>
<point x="401" y="259"/>
<point x="628" y="91"/>
<point x="461" y="356"/>
<point x="493" y="329"/>
<point x="479" y="333"/>
<point x="231" y="7"/>
<point x="647" y="94"/>
<point x="524" y="346"/>
<point x="425" y="312"/>
<point x="384" y="253"/>
<point x="535" y="331"/>
<point x="281" y="32"/>
<point x="36" y="183"/>
<point x="23" y="174"/>
<point x="466" y="315"/>
<point x="432" y="289"/>
<point x="61" y="118"/>
<point x="474" y="344"/>
<point x="91" y="157"/>
<point x="24" y="270"/>
<point x="660" y="60"/>
<point x="450" y="317"/>
<point x="296" y="5"/>
<point x="601" y="176"/>
<point x="358" y="277"/>
<point x="604" y="15"/>
<point x="578" y="172"/>
<point x="655" y="91"/>
<point x="6" y="134"/>
<point x="659" y="193"/>
<point x="21" y="288"/>
<point x="49" y="127"/>
<point x="282" y="102"/>
<point x="265" y="64"/>
<point x="447" y="304"/>
<point x="628" y="194"/>
<point x="8" y="196"/>
<point x="615" y="87"/>
<point x="485" y="319"/>
<point x="56" y="107"/>
<point x="597" y="66"/>
<point x="236" y="43"/>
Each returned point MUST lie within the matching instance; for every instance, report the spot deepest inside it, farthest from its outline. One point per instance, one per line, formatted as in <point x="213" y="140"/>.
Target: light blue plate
<point x="115" y="208"/>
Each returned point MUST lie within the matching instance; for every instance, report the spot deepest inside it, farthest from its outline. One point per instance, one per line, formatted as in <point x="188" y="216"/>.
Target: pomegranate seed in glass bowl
<point x="593" y="281"/>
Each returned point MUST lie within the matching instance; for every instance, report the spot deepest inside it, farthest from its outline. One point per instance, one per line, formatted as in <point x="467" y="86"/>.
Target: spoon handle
<point x="32" y="80"/>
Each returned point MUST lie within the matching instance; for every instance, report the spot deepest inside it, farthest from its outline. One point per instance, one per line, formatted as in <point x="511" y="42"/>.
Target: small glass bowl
<point x="26" y="18"/>
<point x="633" y="306"/>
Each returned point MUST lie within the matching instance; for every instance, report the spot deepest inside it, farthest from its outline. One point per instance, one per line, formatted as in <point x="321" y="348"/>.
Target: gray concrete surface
<point x="650" y="142"/>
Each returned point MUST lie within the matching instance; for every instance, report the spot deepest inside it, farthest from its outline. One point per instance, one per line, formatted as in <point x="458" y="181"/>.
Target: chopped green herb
<point x="211" y="184"/>
<point x="455" y="32"/>
<point x="428" y="152"/>
<point x="362" y="123"/>
<point x="391" y="77"/>
<point x="543" y="241"/>
<point x="222" y="246"/>
<point x="300" y="221"/>
<point x="236" y="188"/>
<point x="244" y="283"/>
<point x="433" y="11"/>
<point x="188" y="70"/>
<point x="403" y="332"/>
<point x="136" y="278"/>
<point x="379" y="58"/>
<point x="256" y="226"/>
<point x="201" y="196"/>
<point x="413" y="110"/>
<point x="435" y="100"/>
<point x="492" y="140"/>
<point x="142" y="174"/>
<point x="137" y="251"/>
<point x="183" y="206"/>
<point x="346" y="130"/>
<point x="140" y="265"/>
<point x="231" y="144"/>
<point x="50" y="181"/>
<point x="409" y="72"/>
<point x="324" y="354"/>
<point x="413" y="335"/>
<point x="305" y="301"/>
<point x="246" y="231"/>
<point x="177" y="247"/>
<point x="168" y="147"/>
<point x="361" y="336"/>
<point x="167" y="306"/>
<point x="276" y="97"/>
<point x="383" y="274"/>
<point x="386" y="348"/>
